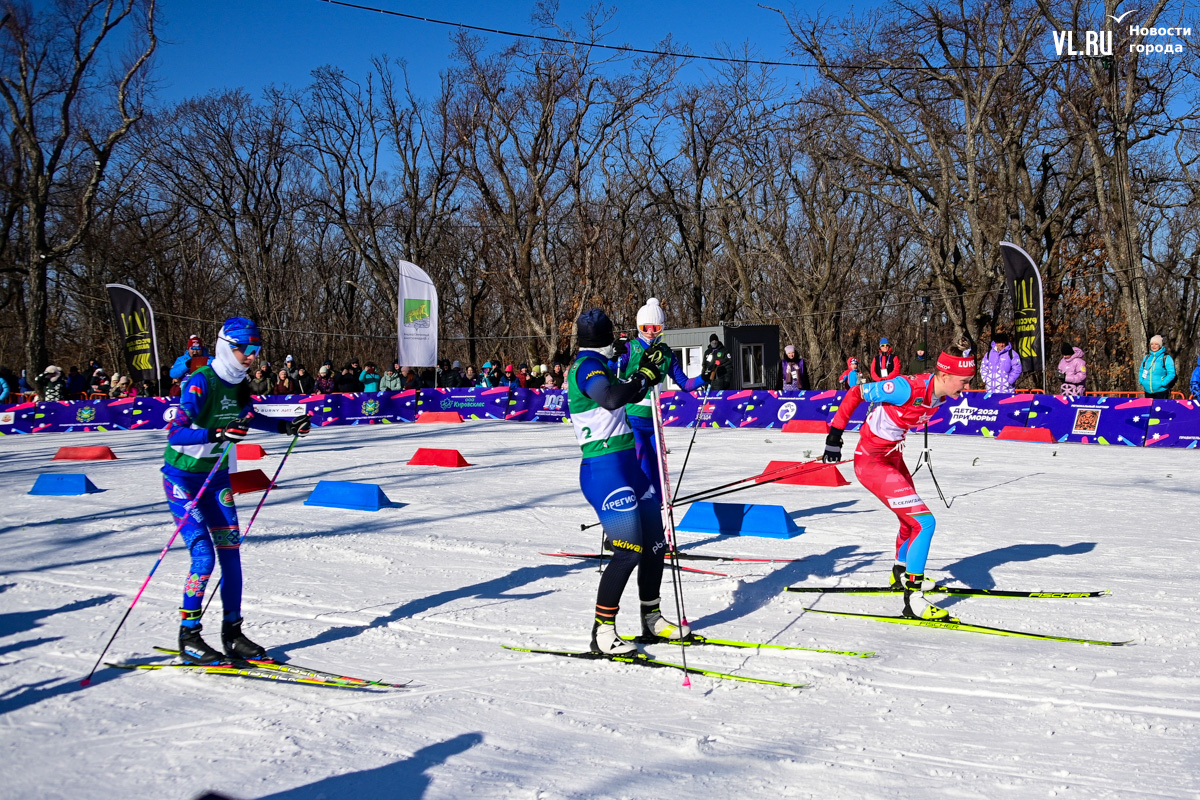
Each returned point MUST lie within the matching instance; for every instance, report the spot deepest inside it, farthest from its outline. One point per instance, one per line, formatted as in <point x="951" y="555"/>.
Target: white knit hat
<point x="651" y="314"/>
<point x="1158" y="340"/>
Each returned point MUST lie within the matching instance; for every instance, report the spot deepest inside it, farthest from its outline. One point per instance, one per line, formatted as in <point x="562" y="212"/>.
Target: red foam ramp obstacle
<point x="250" y="452"/>
<point x="806" y="474"/>
<point x="805" y="426"/>
<point x="252" y="480"/>
<point x="439" y="416"/>
<point x="437" y="457"/>
<point x="85" y="454"/>
<point x="1018" y="434"/>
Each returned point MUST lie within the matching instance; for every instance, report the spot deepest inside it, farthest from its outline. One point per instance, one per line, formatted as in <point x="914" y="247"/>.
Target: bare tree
<point x="67" y="108"/>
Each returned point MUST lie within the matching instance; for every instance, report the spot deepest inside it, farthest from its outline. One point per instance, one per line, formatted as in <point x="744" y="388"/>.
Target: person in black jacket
<point x="348" y="381"/>
<point x="716" y="364"/>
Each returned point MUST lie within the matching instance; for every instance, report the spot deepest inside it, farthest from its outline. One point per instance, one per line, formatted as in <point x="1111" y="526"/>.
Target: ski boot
<point x="236" y="644"/>
<point x="655" y="626"/>
<point x="896" y="579"/>
<point x="194" y="650"/>
<point x="606" y="641"/>
<point x="916" y="605"/>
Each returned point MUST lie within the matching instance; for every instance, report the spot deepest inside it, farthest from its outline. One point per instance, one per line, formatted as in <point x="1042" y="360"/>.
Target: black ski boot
<point x="236" y="644"/>
<point x="896" y="581"/>
<point x="194" y="650"/>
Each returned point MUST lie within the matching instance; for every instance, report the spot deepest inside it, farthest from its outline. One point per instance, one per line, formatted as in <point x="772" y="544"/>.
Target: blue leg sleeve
<point x="211" y="533"/>
<point x="180" y="490"/>
<point x="918" y="545"/>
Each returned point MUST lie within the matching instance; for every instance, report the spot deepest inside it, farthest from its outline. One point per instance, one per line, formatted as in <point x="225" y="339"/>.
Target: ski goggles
<point x="245" y="349"/>
<point x="653" y="330"/>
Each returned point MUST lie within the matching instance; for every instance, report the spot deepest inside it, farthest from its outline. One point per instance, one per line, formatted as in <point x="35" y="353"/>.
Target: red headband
<point x="961" y="366"/>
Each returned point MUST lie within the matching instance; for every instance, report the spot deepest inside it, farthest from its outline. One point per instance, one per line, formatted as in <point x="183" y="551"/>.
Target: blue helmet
<point x="242" y="333"/>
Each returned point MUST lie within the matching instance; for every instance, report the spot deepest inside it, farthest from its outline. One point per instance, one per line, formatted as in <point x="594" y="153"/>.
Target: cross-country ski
<point x="523" y="400"/>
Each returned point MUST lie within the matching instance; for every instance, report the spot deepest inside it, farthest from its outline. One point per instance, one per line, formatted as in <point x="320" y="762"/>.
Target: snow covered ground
<point x="429" y="591"/>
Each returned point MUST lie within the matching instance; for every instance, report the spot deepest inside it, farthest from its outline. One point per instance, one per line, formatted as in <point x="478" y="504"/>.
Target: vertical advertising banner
<point x="1025" y="284"/>
<point x="418" y="318"/>
<point x="135" y="322"/>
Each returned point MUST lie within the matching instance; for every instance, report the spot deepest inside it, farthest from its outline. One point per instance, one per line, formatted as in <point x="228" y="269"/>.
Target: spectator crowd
<point x="999" y="370"/>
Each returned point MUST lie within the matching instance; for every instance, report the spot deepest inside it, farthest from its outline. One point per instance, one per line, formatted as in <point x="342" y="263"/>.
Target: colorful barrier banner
<point x="1090" y="420"/>
<point x="470" y="403"/>
<point x="976" y="414"/>
<point x="538" y="405"/>
<point x="1084" y="420"/>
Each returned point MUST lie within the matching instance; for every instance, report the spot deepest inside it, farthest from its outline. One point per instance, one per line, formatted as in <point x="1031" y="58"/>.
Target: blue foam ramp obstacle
<point x="63" y="485"/>
<point x="737" y="519"/>
<point x="344" y="494"/>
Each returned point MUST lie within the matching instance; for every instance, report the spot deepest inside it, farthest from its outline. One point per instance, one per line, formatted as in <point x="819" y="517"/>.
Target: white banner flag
<point x="418" y="322"/>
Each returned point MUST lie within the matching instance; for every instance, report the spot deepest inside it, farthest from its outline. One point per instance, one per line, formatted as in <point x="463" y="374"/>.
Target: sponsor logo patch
<point x="85" y="414"/>
<point x="622" y="499"/>
<point x="787" y="411"/>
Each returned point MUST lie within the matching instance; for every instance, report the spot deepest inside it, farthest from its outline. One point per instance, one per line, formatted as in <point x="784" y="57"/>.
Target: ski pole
<point x="187" y="513"/>
<point x="702" y="496"/>
<point x="664" y="483"/>
<point x="688" y="454"/>
<point x="253" y="516"/>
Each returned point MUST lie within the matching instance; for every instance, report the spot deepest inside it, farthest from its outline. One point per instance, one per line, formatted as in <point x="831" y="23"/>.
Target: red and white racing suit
<point x="898" y="406"/>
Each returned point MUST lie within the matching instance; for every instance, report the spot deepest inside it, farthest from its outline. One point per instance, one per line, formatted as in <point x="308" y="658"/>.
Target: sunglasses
<point x="651" y="329"/>
<point x="247" y="349"/>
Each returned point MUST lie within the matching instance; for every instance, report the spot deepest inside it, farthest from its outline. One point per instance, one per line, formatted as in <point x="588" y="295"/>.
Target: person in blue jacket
<point x="651" y="322"/>
<point x="1157" y="372"/>
<point x="197" y="355"/>
<point x="1196" y="380"/>
<point x="215" y="411"/>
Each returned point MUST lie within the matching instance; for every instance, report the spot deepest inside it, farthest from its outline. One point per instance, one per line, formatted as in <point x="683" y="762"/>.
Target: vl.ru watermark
<point x="1100" y="43"/>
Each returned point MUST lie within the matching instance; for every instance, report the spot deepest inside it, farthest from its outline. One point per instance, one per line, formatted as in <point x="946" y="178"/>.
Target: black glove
<point x="649" y="374"/>
<point x="233" y="432"/>
<point x="659" y="355"/>
<point x="650" y="366"/>
<point x="299" y="425"/>
<point x="833" y="445"/>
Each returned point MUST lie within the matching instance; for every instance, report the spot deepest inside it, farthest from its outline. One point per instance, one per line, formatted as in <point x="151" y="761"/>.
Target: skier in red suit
<point x="898" y="406"/>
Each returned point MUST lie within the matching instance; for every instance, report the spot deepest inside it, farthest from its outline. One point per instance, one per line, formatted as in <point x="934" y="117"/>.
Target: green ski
<point x="956" y="591"/>
<point x="696" y="638"/>
<point x="305" y="672"/>
<point x="641" y="659"/>
<point x="246" y="672"/>
<point x="964" y="626"/>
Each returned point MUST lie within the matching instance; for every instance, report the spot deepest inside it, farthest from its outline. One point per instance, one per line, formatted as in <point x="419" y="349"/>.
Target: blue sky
<point x="254" y="43"/>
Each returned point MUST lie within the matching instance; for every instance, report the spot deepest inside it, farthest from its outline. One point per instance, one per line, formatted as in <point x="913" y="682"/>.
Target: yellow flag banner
<point x="1025" y="283"/>
<point x="135" y="323"/>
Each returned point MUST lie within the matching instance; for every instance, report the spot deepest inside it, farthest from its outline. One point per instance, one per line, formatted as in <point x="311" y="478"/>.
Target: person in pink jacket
<point x="1074" y="371"/>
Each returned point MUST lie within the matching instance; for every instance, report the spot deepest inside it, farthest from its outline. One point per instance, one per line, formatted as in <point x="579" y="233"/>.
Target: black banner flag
<point x="1025" y="282"/>
<point x="135" y="321"/>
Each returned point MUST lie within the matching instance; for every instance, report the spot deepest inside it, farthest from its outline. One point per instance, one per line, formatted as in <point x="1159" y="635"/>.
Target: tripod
<point x="924" y="460"/>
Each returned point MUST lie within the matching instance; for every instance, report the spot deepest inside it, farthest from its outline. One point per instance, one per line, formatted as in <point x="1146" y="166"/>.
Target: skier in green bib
<point x="651" y="322"/>
<point x="214" y="411"/>
<point x="613" y="482"/>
